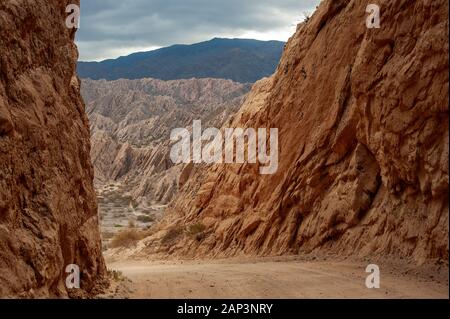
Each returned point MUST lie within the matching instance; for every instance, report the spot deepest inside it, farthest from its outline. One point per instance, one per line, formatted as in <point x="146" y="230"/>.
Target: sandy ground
<point x="271" y="278"/>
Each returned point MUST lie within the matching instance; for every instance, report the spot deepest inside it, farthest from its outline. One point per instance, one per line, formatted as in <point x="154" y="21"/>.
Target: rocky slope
<point x="48" y="210"/>
<point x="131" y="121"/>
<point x="363" y="120"/>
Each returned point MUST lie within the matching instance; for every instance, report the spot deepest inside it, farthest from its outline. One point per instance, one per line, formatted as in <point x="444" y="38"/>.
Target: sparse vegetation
<point x="107" y="235"/>
<point x="116" y="275"/>
<point x="172" y="234"/>
<point x="145" y="219"/>
<point x="147" y="211"/>
<point x="130" y="236"/>
<point x="134" y="203"/>
<point x="119" y="200"/>
<point x="306" y="16"/>
<point x="147" y="232"/>
<point x="126" y="238"/>
<point x="196" y="229"/>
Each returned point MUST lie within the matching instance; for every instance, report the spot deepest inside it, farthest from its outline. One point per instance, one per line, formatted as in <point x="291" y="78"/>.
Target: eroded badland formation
<point x="363" y="139"/>
<point x="131" y="122"/>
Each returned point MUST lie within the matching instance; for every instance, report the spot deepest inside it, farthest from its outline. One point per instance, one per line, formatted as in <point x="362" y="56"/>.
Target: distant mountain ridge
<point x="240" y="60"/>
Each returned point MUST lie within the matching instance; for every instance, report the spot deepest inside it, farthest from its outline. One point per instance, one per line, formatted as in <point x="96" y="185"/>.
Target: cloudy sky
<point x="112" y="28"/>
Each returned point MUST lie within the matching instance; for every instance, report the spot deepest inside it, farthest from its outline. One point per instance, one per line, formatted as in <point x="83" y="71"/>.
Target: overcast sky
<point x="112" y="28"/>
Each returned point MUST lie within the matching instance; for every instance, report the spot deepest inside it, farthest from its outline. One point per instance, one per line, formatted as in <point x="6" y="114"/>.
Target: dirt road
<point x="270" y="279"/>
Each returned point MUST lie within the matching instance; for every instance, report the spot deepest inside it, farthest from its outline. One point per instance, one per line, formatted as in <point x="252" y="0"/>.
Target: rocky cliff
<point x="48" y="210"/>
<point x="363" y="159"/>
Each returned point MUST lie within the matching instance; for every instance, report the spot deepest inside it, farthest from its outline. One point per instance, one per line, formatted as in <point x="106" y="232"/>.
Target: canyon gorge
<point x="363" y="177"/>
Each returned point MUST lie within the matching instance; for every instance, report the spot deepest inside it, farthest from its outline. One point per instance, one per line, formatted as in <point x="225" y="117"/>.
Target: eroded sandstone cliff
<point x="363" y="120"/>
<point x="48" y="210"/>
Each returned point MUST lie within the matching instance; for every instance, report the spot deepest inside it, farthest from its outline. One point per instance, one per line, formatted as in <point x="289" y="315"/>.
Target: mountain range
<point x="240" y="60"/>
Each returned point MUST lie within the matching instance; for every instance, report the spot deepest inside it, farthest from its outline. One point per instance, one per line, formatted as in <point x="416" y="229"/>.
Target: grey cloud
<point x="108" y="26"/>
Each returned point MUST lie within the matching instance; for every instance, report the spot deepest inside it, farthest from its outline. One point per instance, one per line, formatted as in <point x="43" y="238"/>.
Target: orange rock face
<point x="363" y="134"/>
<point x="48" y="209"/>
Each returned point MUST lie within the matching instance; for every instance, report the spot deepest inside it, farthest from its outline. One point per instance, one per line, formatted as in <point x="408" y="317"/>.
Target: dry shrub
<point x="107" y="235"/>
<point x="126" y="238"/>
<point x="145" y="219"/>
<point x="116" y="275"/>
<point x="172" y="234"/>
<point x="196" y="229"/>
